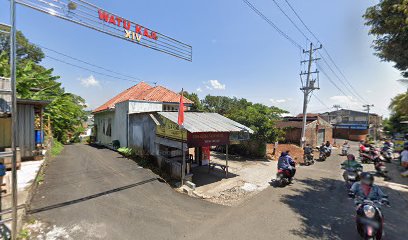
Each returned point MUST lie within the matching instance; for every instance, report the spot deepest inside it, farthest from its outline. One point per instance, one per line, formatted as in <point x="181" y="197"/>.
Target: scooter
<point x="370" y="156"/>
<point x="380" y="167"/>
<point x="387" y="153"/>
<point x="308" y="159"/>
<point x="369" y="218"/>
<point x="344" y="150"/>
<point x="284" y="176"/>
<point x="323" y="154"/>
<point x="351" y="175"/>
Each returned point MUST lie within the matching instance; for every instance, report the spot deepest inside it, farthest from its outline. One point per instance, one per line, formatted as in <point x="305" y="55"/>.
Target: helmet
<point x="351" y="157"/>
<point x="367" y="178"/>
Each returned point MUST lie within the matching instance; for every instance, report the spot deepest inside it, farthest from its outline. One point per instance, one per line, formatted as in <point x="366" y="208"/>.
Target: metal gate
<point x="321" y="136"/>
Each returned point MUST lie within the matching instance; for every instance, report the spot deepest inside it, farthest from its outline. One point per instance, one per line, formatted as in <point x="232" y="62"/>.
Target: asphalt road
<point x="91" y="193"/>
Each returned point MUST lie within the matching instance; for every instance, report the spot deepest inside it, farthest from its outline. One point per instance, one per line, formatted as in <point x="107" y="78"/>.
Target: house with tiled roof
<point x="111" y="119"/>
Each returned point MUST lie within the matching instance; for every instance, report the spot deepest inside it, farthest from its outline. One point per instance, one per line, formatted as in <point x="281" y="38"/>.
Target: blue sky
<point x="235" y="53"/>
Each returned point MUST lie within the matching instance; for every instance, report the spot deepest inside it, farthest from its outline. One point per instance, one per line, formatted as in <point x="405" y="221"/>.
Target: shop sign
<point x="169" y="129"/>
<point x="207" y="139"/>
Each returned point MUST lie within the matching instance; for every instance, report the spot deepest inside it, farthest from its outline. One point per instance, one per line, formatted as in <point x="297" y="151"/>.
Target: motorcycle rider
<point x="351" y="162"/>
<point x="307" y="151"/>
<point x="285" y="162"/>
<point x="345" y="147"/>
<point x="328" y="148"/>
<point x="365" y="189"/>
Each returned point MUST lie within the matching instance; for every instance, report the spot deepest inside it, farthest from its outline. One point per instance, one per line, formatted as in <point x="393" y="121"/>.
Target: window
<point x="109" y="129"/>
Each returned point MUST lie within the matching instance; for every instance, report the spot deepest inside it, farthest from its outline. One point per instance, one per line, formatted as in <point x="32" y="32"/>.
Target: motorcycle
<point x="352" y="175"/>
<point x="369" y="218"/>
<point x="387" y="153"/>
<point x="323" y="153"/>
<point x="308" y="159"/>
<point x="380" y="167"/>
<point x="284" y="176"/>
<point x="344" y="150"/>
<point x="371" y="156"/>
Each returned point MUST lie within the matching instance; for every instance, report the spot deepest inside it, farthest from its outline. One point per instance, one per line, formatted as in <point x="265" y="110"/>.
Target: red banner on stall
<point x="207" y="139"/>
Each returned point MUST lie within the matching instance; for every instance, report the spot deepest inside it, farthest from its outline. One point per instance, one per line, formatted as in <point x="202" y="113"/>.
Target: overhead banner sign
<point x="91" y="16"/>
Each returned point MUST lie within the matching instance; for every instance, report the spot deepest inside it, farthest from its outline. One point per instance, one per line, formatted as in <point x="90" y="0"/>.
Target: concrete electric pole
<point x="367" y="108"/>
<point x="307" y="87"/>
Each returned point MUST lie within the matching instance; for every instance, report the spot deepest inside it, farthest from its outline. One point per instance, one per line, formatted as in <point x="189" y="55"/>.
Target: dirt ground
<point x="295" y="151"/>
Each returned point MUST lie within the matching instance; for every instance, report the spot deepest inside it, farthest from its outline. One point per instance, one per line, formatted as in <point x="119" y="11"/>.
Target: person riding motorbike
<point x="351" y="162"/>
<point x="285" y="162"/>
<point x="365" y="189"/>
<point x="328" y="148"/>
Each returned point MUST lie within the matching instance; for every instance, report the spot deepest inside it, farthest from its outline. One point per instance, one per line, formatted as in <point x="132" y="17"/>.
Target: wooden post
<point x="41" y="125"/>
<point x="226" y="161"/>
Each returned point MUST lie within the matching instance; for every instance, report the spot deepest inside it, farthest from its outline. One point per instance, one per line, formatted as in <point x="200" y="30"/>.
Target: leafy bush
<point x="127" y="152"/>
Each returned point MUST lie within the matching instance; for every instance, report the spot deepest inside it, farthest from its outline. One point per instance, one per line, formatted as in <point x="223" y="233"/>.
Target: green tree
<point x="258" y="117"/>
<point x="65" y="110"/>
<point x="194" y="97"/>
<point x="388" y="21"/>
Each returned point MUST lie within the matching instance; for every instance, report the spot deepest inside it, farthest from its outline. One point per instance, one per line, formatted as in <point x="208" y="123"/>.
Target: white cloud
<point x="199" y="90"/>
<point x="369" y="91"/>
<point x="214" y="84"/>
<point x="277" y="101"/>
<point x="346" y="101"/>
<point x="89" y="81"/>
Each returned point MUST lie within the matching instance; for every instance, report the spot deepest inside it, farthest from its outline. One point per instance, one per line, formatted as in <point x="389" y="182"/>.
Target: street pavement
<point x="91" y="193"/>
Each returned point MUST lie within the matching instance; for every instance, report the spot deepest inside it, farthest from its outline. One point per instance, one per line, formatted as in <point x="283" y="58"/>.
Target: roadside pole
<point x="367" y="108"/>
<point x="13" y="117"/>
<point x="307" y="88"/>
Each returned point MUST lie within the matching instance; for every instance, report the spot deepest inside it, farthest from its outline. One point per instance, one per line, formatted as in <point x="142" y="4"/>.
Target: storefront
<point x="201" y="131"/>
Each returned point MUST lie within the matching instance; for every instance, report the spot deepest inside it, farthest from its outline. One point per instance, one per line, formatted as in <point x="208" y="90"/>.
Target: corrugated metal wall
<point x="26" y="138"/>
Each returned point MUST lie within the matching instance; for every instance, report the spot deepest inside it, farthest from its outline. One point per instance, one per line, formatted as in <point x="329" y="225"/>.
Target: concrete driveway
<point x="94" y="193"/>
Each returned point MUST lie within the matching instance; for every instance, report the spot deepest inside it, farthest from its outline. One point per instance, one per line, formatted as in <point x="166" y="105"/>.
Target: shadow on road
<point x="63" y="204"/>
<point x="327" y="212"/>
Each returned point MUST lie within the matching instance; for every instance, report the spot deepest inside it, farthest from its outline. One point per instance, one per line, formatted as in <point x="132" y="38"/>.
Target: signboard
<point x="169" y="129"/>
<point x="207" y="139"/>
<point x="94" y="17"/>
<point x="353" y="126"/>
<point x="237" y="137"/>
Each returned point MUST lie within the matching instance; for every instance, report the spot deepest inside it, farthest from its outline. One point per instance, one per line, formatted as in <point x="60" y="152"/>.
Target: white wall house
<point x="111" y="120"/>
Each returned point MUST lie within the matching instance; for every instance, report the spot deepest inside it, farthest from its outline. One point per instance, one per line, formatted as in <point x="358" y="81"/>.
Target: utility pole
<point x="367" y="108"/>
<point x="337" y="107"/>
<point x="14" y="127"/>
<point x="307" y="87"/>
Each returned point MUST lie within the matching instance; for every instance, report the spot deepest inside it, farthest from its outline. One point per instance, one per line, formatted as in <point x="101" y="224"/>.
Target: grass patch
<point x="40" y="178"/>
<point x="56" y="148"/>
<point x="24" y="234"/>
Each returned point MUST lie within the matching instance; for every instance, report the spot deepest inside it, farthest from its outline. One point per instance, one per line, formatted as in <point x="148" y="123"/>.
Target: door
<point x="321" y="136"/>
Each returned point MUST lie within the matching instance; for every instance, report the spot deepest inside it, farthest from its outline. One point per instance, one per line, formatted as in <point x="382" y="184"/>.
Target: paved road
<point x="93" y="193"/>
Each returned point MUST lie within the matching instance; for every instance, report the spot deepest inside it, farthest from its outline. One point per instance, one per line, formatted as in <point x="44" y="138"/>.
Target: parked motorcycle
<point x="369" y="218"/>
<point x="284" y="176"/>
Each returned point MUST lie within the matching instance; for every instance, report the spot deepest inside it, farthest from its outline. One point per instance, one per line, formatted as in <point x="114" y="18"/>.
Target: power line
<point x="352" y="89"/>
<point x="87" y="69"/>
<point x="90" y="64"/>
<point x="300" y="19"/>
<point x="290" y="19"/>
<point x="273" y="25"/>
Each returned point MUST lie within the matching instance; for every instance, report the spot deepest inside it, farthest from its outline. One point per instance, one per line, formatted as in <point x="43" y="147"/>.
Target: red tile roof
<point x="143" y="92"/>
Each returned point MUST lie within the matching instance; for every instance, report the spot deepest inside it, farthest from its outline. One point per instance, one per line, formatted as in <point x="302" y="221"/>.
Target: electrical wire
<point x="90" y="64"/>
<point x="352" y="89"/>
<point x="272" y="24"/>
<point x="290" y="19"/>
<point x="96" y="72"/>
